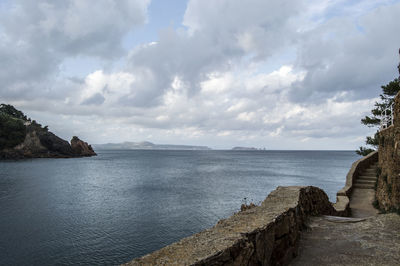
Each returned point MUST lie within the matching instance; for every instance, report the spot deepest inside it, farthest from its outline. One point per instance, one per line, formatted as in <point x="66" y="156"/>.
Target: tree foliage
<point x="389" y="91"/>
<point x="363" y="151"/>
<point x="12" y="131"/>
<point x="11" y="111"/>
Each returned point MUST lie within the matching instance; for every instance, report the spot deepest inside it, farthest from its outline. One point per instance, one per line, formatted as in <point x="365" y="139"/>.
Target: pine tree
<point x="389" y="91"/>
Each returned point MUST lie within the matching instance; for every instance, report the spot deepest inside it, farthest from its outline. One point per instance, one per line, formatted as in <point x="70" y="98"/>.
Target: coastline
<point x="265" y="234"/>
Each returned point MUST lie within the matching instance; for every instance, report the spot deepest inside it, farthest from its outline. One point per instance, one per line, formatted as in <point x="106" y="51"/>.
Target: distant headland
<point x="21" y="137"/>
<point x="145" y="145"/>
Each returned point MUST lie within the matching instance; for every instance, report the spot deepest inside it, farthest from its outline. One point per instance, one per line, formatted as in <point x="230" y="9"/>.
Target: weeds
<point x="246" y="206"/>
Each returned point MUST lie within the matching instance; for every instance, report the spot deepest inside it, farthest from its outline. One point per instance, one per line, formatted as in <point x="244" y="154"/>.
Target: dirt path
<point x="374" y="241"/>
<point x="364" y="194"/>
<point x="365" y="239"/>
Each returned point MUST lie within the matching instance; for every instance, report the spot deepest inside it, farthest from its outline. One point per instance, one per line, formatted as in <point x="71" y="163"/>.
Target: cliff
<point x="388" y="185"/>
<point x="21" y="137"/>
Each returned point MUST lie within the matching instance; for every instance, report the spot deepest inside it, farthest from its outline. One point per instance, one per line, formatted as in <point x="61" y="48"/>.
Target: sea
<point x="122" y="204"/>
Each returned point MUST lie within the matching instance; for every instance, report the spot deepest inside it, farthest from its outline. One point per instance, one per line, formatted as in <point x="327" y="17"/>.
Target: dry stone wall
<point x="264" y="235"/>
<point x="388" y="185"/>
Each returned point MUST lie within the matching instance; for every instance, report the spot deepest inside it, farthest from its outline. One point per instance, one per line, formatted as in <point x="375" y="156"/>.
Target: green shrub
<point x="363" y="151"/>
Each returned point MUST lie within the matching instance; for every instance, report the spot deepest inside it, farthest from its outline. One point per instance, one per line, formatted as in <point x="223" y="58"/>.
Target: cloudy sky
<point x="279" y="74"/>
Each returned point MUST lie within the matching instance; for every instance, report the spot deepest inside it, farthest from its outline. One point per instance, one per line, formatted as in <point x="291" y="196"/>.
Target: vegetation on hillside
<point x="389" y="91"/>
<point x="14" y="125"/>
<point x="12" y="128"/>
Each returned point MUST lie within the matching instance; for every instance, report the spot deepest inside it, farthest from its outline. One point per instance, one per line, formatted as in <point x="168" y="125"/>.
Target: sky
<point x="278" y="74"/>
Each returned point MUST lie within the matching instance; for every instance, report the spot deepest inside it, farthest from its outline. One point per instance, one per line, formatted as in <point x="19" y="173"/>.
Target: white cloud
<point x="110" y="87"/>
<point x="284" y="72"/>
<point x="37" y="36"/>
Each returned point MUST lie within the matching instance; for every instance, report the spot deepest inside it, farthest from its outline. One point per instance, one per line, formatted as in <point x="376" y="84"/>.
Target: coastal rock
<point x="55" y="144"/>
<point x="81" y="148"/>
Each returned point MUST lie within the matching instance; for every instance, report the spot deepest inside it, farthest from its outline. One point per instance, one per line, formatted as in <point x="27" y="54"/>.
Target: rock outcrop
<point x="81" y="148"/>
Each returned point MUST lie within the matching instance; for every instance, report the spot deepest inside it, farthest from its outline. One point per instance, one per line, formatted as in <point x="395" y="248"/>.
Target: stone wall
<point x="264" y="235"/>
<point x="388" y="185"/>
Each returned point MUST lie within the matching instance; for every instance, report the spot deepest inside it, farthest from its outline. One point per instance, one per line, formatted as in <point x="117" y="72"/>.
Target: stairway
<point x="367" y="179"/>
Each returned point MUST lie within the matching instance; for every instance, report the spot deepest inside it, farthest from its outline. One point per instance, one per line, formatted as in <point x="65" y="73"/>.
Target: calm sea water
<point x="123" y="204"/>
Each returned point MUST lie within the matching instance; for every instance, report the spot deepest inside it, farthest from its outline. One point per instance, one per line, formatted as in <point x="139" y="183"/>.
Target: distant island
<point x="21" y="137"/>
<point x="244" y="149"/>
<point x="145" y="145"/>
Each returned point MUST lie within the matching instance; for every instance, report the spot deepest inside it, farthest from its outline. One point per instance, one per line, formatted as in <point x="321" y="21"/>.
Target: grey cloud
<point x="76" y="26"/>
<point x="342" y="56"/>
<point x="36" y="36"/>
<point x="96" y="99"/>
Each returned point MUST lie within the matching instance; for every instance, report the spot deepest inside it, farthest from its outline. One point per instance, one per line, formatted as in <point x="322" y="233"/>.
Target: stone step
<point x="369" y="173"/>
<point x="363" y="186"/>
<point x="369" y="177"/>
<point x="339" y="219"/>
<point x="365" y="181"/>
<point x="371" y="182"/>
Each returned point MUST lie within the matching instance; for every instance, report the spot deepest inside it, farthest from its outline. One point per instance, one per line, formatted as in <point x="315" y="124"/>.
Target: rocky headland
<point x="21" y="137"/>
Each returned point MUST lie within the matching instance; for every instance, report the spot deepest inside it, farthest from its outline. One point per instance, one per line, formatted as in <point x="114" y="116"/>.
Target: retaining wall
<point x="388" y="186"/>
